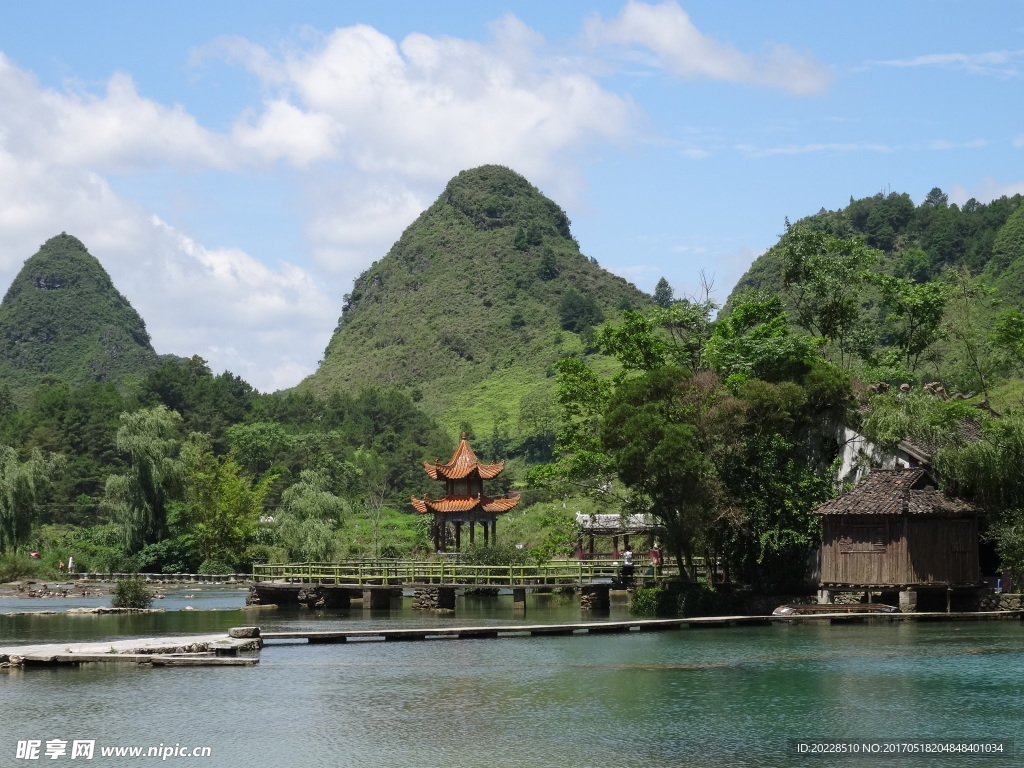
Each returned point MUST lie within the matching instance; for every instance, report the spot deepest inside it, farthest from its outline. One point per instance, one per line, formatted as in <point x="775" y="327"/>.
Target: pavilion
<point x="464" y="502"/>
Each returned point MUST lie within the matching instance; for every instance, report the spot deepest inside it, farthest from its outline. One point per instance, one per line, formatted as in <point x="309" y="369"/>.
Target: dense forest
<point x="918" y="295"/>
<point x="485" y="317"/>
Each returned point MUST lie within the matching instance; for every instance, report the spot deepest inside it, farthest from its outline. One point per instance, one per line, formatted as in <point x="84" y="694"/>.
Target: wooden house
<point x="895" y="530"/>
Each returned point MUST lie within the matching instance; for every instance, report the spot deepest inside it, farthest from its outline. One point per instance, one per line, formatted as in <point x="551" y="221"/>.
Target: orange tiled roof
<point x="465" y="504"/>
<point x="462" y="464"/>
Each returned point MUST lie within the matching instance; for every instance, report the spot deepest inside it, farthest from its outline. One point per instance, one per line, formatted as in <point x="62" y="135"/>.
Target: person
<point x="71" y="564"/>
<point x="654" y="555"/>
<point x="60" y="567"/>
<point x="627" y="565"/>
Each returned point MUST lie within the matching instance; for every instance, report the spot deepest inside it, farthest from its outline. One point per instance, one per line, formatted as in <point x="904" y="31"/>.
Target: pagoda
<point x="464" y="501"/>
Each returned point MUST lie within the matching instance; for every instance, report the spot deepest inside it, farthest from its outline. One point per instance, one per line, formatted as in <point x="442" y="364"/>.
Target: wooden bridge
<point x="410" y="573"/>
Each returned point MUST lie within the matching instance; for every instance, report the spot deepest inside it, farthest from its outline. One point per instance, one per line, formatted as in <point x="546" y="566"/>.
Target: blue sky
<point x="236" y="165"/>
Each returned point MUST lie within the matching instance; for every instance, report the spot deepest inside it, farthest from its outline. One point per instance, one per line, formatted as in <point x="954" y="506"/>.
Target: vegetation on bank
<point x="485" y="317"/>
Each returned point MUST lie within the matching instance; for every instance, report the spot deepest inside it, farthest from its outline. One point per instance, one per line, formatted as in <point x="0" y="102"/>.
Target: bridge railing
<point x="445" y="572"/>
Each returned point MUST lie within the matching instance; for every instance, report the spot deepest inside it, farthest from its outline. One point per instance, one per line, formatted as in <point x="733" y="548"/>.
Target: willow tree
<point x="309" y="517"/>
<point x="150" y="439"/>
<point x="21" y="485"/>
<point x="991" y="471"/>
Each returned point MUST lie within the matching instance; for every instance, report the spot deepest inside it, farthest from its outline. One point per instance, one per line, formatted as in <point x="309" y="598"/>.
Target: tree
<point x="936" y="198"/>
<point x="1008" y="338"/>
<point x="825" y="278"/>
<point x="663" y="294"/>
<point x="139" y="499"/>
<point x="666" y="437"/>
<point x="578" y="312"/>
<point x="989" y="471"/>
<point x="21" y="485"/>
<point x="675" y="336"/>
<point x="672" y="437"/>
<point x="754" y="341"/>
<point x="964" y="324"/>
<point x="223" y="506"/>
<point x="915" y="313"/>
<point x="309" y="517"/>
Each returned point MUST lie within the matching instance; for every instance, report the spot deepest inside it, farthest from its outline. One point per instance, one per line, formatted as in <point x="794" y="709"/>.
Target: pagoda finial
<point x="464" y="436"/>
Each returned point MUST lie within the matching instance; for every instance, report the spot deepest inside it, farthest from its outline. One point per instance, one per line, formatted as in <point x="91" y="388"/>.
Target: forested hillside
<point x="63" y="316"/>
<point x="915" y="291"/>
<point x="473" y="304"/>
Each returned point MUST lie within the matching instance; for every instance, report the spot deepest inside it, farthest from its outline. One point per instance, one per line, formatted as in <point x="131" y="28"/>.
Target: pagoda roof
<point x="462" y="464"/>
<point x="465" y="504"/>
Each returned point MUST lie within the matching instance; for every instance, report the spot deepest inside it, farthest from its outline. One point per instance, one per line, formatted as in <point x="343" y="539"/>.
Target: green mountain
<point x="472" y="305"/>
<point x="62" y="316"/>
<point x="931" y="242"/>
<point x="921" y="241"/>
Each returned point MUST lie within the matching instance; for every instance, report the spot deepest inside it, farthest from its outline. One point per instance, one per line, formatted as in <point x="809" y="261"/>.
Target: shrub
<point x="16" y="567"/>
<point x="215" y="567"/>
<point x="683" y="599"/>
<point x="131" y="593"/>
<point x="499" y="554"/>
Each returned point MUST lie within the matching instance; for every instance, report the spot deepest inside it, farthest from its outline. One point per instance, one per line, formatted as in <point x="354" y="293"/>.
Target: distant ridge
<point x="474" y="302"/>
<point x="62" y="316"/>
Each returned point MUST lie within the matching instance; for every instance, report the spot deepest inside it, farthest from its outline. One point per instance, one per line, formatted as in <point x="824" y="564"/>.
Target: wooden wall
<point x="894" y="550"/>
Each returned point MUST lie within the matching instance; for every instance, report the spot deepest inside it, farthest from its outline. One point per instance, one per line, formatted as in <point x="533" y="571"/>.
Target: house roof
<point x="896" y="492"/>
<point x="465" y="504"/>
<point x="615" y="524"/>
<point x="923" y="449"/>
<point x="462" y="464"/>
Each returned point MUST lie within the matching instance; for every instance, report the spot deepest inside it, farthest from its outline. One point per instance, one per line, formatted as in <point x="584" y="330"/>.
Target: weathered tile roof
<point x="896" y="492"/>
<point x="463" y="463"/>
<point x="968" y="431"/>
<point x="615" y="524"/>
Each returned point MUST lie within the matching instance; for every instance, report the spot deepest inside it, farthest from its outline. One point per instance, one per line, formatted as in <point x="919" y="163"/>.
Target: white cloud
<point x="429" y="106"/>
<point x="1002" y="63"/>
<point x="987" y="190"/>
<point x="800" y="149"/>
<point x="945" y="144"/>
<point x="1019" y="141"/>
<point x="284" y="132"/>
<point x="264" y="323"/>
<point x="678" y="46"/>
<point x="374" y="127"/>
<point x="115" y="131"/>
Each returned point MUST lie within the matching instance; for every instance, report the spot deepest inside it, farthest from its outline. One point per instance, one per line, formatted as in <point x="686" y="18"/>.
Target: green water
<point x="712" y="697"/>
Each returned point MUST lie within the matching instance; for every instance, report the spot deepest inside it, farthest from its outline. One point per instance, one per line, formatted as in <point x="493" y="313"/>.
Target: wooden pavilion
<point x="896" y="531"/>
<point x="464" y="502"/>
<point x="613" y="527"/>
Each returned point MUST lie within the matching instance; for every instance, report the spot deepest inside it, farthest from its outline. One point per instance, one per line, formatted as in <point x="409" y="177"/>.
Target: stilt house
<point x="895" y="530"/>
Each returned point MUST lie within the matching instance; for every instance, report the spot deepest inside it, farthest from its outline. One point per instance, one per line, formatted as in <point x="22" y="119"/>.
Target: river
<point x="711" y="697"/>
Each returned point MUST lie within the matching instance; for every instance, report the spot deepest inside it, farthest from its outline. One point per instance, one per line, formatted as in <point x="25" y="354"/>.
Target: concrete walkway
<point x="156" y="650"/>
